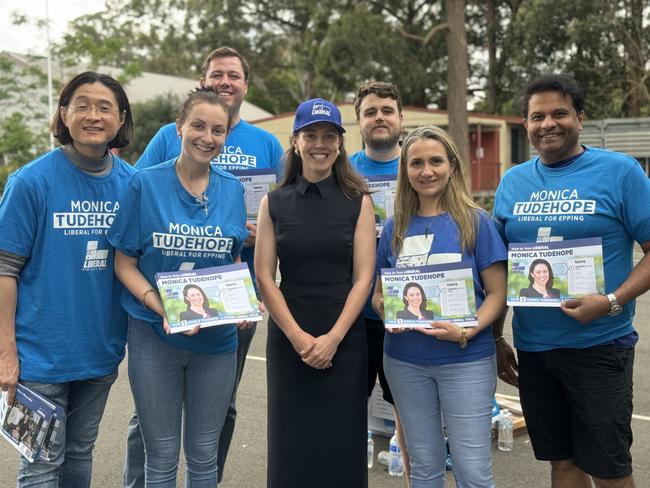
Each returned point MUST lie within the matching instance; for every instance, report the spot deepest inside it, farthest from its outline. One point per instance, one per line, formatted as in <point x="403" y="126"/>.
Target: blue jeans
<point x="178" y="390"/>
<point x="134" y="460"/>
<point x="461" y="393"/>
<point x="72" y="451"/>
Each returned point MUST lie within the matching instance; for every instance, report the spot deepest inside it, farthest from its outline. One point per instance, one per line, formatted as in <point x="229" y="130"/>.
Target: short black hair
<point x="564" y="84"/>
<point x="125" y="132"/>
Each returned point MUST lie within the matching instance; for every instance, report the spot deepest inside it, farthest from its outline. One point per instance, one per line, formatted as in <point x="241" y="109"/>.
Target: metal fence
<point x="629" y="136"/>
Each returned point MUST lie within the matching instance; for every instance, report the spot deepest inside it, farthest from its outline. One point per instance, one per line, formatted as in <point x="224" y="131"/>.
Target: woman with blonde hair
<point x="444" y="371"/>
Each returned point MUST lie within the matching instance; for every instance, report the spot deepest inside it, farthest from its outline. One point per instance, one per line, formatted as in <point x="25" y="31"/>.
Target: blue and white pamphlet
<point x="208" y="297"/>
<point x="417" y="296"/>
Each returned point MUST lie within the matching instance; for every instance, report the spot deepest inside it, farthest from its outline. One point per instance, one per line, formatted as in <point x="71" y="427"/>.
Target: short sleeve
<point x="635" y="204"/>
<point x="497" y="211"/>
<point x="384" y="247"/>
<point x="489" y="247"/>
<point x="277" y="155"/>
<point x="156" y="151"/>
<point x="125" y="234"/>
<point x="241" y="217"/>
<point x="22" y="210"/>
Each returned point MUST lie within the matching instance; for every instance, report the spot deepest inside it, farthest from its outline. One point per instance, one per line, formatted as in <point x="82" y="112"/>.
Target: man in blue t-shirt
<point x="575" y="362"/>
<point x="247" y="147"/>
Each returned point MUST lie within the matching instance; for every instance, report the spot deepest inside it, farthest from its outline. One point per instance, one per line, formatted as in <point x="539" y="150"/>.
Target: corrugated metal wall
<point x="630" y="136"/>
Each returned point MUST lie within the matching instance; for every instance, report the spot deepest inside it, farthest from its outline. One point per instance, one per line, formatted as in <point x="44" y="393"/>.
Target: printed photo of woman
<point x="415" y="304"/>
<point x="540" y="276"/>
<point x="197" y="304"/>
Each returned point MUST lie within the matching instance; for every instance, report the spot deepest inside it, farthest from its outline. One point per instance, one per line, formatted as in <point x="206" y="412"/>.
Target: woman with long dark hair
<point x="415" y="303"/>
<point x="540" y="277"/>
<point x="319" y="224"/>
<point x="198" y="306"/>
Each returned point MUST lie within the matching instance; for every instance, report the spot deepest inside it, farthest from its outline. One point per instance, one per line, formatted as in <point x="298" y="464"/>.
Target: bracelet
<point x="462" y="343"/>
<point x="500" y="338"/>
<point x="144" y="297"/>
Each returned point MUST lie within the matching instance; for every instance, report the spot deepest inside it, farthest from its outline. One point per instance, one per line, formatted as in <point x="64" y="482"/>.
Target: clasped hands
<point x="316" y="352"/>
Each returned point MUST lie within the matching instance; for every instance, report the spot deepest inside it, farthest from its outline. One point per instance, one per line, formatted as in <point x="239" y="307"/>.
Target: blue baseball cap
<point x="317" y="110"/>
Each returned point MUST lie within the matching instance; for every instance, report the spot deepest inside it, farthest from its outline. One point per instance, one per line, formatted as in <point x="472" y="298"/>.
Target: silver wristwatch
<point x="614" y="307"/>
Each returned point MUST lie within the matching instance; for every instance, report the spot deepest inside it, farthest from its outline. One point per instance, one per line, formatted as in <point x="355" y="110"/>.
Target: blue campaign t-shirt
<point x="164" y="226"/>
<point x="246" y="147"/>
<point x="434" y="240"/>
<point x="601" y="194"/>
<point x="69" y="322"/>
<point x="366" y="166"/>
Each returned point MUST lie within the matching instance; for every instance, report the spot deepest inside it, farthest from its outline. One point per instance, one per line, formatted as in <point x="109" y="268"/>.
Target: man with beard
<point x="379" y="114"/>
<point x="247" y="147"/>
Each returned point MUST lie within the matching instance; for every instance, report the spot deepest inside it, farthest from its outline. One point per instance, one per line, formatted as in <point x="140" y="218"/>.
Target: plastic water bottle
<point x="505" y="442"/>
<point x="371" y="450"/>
<point x="383" y="458"/>
<point x="395" y="463"/>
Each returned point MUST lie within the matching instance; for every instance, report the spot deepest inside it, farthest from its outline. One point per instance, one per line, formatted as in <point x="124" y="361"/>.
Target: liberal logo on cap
<point x="317" y="110"/>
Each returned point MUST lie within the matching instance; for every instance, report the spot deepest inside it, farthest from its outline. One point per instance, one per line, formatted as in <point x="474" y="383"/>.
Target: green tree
<point x="602" y="43"/>
<point x="24" y="127"/>
<point x="298" y="48"/>
<point x="18" y="143"/>
<point x="148" y="117"/>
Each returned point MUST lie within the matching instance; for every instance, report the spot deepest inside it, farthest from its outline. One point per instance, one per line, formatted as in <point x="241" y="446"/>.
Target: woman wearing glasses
<point x="62" y="330"/>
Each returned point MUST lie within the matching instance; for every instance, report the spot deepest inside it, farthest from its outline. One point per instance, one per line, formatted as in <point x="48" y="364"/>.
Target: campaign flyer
<point x="208" y="297"/>
<point x="25" y="423"/>
<point x="414" y="297"/>
<point x="383" y="189"/>
<point x="544" y="274"/>
<point x="257" y="183"/>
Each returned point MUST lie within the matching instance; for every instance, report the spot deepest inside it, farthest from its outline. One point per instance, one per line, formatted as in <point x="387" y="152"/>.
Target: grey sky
<point x="28" y="39"/>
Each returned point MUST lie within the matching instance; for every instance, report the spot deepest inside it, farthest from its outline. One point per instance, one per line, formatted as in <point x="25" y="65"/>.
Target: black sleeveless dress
<point x="317" y="419"/>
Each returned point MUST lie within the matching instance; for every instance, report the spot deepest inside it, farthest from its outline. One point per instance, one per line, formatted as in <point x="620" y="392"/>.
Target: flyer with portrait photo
<point x="544" y="274"/>
<point x="257" y="183"/>
<point x="382" y="188"/>
<point x="414" y="297"/>
<point x="25" y="423"/>
<point x="208" y="297"/>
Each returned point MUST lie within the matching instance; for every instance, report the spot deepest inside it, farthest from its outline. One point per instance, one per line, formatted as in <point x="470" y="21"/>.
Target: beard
<point x="382" y="143"/>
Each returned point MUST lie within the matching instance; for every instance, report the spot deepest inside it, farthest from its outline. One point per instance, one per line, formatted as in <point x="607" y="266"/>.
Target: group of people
<point x="83" y="236"/>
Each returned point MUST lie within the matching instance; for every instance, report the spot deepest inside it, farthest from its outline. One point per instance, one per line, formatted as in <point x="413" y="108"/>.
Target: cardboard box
<point x="381" y="420"/>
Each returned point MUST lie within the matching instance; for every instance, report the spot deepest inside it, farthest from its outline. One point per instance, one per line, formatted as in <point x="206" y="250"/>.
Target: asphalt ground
<point x="246" y="466"/>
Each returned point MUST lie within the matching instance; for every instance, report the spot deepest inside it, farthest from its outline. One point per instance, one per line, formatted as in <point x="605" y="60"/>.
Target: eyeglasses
<point x="104" y="111"/>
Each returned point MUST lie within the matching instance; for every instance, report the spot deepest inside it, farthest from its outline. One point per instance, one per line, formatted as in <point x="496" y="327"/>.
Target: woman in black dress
<point x="320" y="225"/>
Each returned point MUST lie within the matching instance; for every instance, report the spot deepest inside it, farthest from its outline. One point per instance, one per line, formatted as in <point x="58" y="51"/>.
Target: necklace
<point x="428" y="223"/>
<point x="199" y="197"/>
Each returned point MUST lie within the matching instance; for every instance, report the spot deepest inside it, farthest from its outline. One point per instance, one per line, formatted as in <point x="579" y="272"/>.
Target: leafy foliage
<point x="24" y="121"/>
<point x="148" y="117"/>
